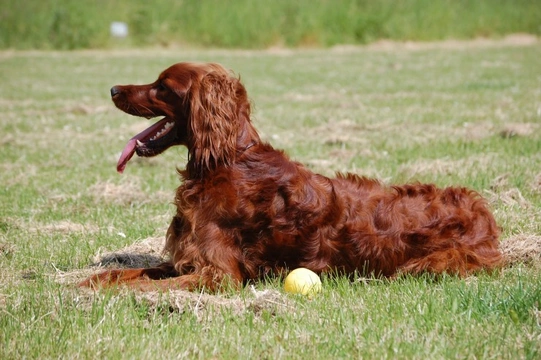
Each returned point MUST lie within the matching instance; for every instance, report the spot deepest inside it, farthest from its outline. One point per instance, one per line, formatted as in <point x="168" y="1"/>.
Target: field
<point x="84" y="24"/>
<point x="452" y="112"/>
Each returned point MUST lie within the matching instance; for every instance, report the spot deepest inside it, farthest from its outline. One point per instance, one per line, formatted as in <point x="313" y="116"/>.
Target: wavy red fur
<point x="245" y="210"/>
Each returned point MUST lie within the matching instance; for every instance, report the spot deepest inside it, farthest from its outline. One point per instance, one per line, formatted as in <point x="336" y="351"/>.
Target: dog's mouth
<point x="149" y="142"/>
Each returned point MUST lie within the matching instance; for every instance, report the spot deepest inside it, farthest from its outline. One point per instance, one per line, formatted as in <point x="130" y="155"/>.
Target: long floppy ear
<point x="213" y="123"/>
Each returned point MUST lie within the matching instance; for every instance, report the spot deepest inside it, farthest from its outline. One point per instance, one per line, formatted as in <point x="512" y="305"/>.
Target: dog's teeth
<point x="139" y="143"/>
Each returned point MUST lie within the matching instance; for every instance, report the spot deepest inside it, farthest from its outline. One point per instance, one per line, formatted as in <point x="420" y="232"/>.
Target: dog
<point x="244" y="210"/>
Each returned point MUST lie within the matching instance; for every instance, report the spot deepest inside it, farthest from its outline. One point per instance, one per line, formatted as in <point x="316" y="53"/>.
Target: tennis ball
<point x="302" y="281"/>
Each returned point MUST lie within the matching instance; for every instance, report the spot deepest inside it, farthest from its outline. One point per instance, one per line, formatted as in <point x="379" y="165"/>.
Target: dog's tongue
<point x="129" y="149"/>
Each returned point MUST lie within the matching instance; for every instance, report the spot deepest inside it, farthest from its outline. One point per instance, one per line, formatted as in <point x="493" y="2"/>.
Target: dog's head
<point x="203" y="107"/>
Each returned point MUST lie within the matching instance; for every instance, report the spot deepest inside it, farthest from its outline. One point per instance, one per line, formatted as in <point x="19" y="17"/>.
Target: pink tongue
<point x="126" y="155"/>
<point x="129" y="149"/>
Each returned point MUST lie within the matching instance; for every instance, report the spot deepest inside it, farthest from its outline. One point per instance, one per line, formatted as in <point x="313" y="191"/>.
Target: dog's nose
<point x="114" y="91"/>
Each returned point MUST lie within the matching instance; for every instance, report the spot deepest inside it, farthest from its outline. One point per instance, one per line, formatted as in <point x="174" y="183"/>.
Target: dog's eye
<point x="161" y="87"/>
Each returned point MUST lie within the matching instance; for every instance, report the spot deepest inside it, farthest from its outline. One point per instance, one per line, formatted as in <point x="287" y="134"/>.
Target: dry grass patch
<point x="341" y="132"/>
<point x="256" y="301"/>
<point x="5" y="249"/>
<point x="119" y="194"/>
<point x="523" y="249"/>
<point x="510" y="196"/>
<point x="460" y="167"/>
<point x="518" y="130"/>
<point x="88" y="109"/>
<point x="474" y="131"/>
<point x="201" y="304"/>
<point x="127" y="192"/>
<point x="64" y="227"/>
<point x="536" y="183"/>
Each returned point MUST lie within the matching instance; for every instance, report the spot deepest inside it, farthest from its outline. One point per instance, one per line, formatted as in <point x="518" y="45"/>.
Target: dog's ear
<point x="214" y="123"/>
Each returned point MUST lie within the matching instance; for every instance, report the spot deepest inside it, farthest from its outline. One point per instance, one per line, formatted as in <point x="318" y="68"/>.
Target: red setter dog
<point x="245" y="210"/>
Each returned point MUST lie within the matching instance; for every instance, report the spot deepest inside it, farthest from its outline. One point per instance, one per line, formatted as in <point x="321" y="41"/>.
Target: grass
<point x="450" y="113"/>
<point x="53" y="24"/>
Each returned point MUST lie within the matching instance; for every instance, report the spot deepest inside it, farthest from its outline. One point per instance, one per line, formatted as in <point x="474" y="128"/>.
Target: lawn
<point x="466" y="113"/>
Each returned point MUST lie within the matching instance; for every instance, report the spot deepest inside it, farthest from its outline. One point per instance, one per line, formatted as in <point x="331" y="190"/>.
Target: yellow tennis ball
<point x="302" y="281"/>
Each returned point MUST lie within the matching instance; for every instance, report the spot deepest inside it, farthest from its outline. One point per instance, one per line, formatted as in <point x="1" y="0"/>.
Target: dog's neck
<point x="247" y="137"/>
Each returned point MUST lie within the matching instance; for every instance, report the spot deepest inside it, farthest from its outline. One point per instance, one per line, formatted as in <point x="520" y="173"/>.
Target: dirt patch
<point x="146" y="253"/>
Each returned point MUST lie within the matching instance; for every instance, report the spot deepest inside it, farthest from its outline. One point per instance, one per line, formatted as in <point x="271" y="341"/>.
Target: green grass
<point x="57" y="24"/>
<point x="432" y="113"/>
